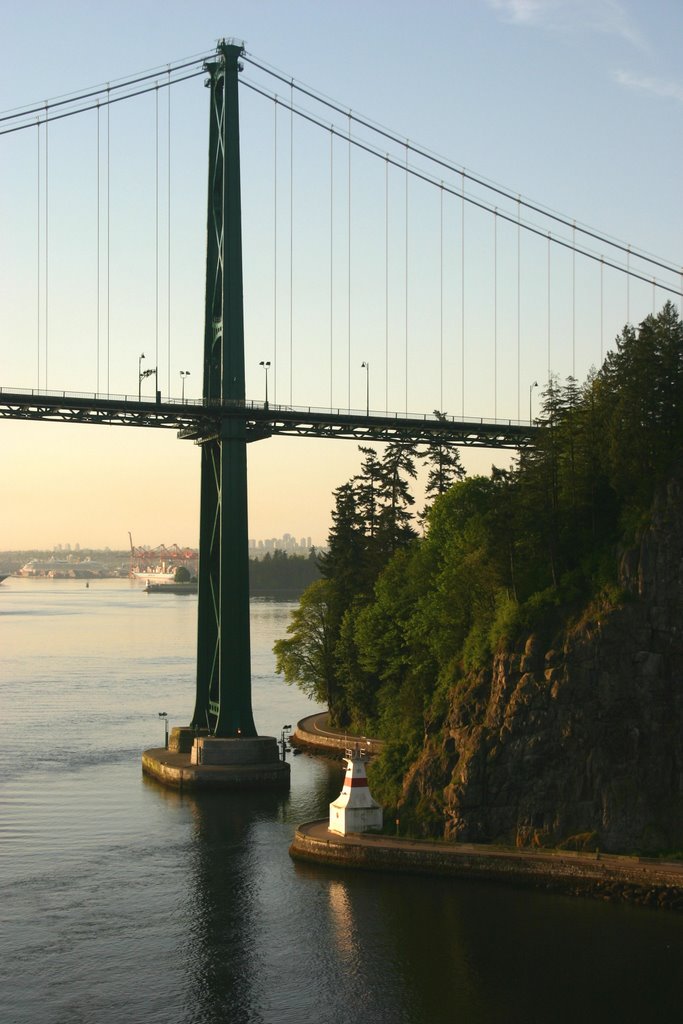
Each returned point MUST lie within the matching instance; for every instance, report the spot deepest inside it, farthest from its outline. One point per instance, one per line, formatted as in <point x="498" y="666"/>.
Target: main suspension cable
<point x="450" y="166"/>
<point x="485" y="206"/>
<point x="80" y="96"/>
<point x="91" y="106"/>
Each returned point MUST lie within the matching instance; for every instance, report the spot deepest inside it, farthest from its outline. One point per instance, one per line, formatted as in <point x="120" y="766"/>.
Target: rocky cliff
<point x="574" y="741"/>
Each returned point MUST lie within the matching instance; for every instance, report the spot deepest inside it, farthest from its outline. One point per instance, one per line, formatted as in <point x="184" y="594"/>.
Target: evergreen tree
<point x="367" y="485"/>
<point x="344" y="562"/>
<point x="395" y="518"/>
<point x="445" y="467"/>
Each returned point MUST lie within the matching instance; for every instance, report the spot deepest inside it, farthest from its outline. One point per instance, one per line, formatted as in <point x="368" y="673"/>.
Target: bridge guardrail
<point x="256" y="407"/>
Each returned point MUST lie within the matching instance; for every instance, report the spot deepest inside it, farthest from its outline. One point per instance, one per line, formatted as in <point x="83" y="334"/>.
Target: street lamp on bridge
<point x="183" y="375"/>
<point x="531" y="389"/>
<point x="366" y="367"/>
<point x="142" y="374"/>
<point x="265" y="363"/>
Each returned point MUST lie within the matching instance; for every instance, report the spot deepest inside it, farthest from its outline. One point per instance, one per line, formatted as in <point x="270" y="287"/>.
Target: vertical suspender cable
<point x="47" y="290"/>
<point x="441" y="298"/>
<point x="519" y="306"/>
<point x="386" y="283"/>
<point x="38" y="224"/>
<point x="462" y="296"/>
<point x="97" y="333"/>
<point x="628" y="285"/>
<point x="331" y="262"/>
<point x="495" y="314"/>
<point x="108" y="241"/>
<point x="275" y="250"/>
<point x="574" y="300"/>
<point x="156" y="236"/>
<point x="406" y="276"/>
<point x="168" y="239"/>
<point x="348" y="353"/>
<point x="602" y="308"/>
<point x="549" y="370"/>
<point x="292" y="243"/>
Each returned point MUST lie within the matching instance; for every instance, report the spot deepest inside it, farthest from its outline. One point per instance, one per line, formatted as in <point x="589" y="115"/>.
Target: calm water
<point x="121" y="901"/>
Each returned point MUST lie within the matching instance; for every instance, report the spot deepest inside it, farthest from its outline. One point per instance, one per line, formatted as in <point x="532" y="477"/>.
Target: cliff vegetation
<point x="523" y="660"/>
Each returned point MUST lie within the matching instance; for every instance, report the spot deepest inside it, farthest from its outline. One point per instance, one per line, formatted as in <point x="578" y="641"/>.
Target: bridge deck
<point x="199" y="421"/>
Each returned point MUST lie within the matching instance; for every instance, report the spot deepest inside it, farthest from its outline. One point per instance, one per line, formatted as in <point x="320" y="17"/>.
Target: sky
<point x="574" y="105"/>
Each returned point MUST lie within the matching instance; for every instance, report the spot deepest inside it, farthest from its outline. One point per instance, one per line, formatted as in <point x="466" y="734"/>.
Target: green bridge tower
<point x="223" y="704"/>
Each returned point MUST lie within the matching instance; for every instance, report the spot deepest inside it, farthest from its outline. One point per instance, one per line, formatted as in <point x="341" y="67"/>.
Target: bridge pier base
<point x="213" y="762"/>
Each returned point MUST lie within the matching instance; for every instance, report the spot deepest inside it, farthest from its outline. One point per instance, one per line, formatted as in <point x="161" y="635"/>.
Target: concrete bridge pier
<point x="196" y="760"/>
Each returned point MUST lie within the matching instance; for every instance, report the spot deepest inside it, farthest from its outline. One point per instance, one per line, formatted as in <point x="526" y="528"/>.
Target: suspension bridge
<point x="456" y="292"/>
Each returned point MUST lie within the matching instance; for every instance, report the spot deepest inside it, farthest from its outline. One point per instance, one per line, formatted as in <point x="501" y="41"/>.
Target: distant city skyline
<point x="286" y="542"/>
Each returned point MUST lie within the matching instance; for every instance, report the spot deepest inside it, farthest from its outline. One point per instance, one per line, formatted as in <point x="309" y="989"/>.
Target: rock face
<point x="579" y="743"/>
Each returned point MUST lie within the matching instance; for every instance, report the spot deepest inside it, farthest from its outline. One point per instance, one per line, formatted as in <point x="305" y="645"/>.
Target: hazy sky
<point x="573" y="104"/>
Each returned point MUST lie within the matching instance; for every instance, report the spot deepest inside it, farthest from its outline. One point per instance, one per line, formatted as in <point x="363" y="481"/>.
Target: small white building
<point x="354" y="810"/>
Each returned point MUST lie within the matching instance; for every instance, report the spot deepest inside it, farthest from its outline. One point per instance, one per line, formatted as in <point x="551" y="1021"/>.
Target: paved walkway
<point x="319" y="830"/>
<point x="608" y="876"/>
<point x="316" y="731"/>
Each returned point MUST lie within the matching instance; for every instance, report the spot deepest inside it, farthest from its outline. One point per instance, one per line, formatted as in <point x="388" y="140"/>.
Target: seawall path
<point x="316" y="733"/>
<point x="605" y="876"/>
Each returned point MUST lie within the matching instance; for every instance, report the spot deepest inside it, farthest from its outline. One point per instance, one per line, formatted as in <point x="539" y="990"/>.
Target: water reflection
<point x="122" y="900"/>
<point x="342" y="920"/>
<point x="224" y="956"/>
<point x="271" y="940"/>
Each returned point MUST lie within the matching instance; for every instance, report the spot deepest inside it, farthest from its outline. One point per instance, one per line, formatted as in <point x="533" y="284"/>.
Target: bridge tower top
<point x="224" y="371"/>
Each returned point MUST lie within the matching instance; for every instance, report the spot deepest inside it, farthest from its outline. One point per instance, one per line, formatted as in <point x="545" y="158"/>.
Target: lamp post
<point x="183" y="375"/>
<point x="164" y="715"/>
<point x="265" y="363"/>
<point x="531" y="389"/>
<point x="366" y="367"/>
<point x="144" y="373"/>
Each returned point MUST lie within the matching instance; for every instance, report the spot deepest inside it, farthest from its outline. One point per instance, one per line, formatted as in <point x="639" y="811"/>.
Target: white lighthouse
<point x="354" y="810"/>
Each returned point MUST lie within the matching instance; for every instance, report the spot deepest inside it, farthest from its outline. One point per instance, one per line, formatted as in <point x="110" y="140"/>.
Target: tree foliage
<point x="407" y="619"/>
<point x="282" y="573"/>
<point x="305" y="656"/>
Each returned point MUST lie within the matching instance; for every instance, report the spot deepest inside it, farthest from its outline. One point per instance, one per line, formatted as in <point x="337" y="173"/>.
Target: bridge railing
<point x="268" y="409"/>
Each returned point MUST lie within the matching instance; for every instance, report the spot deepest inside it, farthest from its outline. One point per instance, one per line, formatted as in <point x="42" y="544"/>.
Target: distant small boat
<point x="171" y="588"/>
<point x="154" y="575"/>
